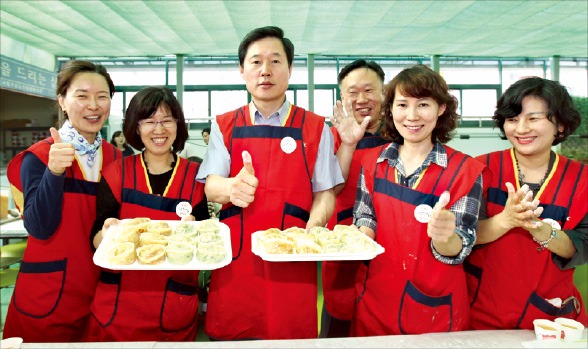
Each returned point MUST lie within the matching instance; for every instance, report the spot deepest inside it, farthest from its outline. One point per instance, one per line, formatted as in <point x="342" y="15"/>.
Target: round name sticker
<point x="553" y="223"/>
<point x="422" y="213"/>
<point x="288" y="145"/>
<point x="183" y="209"/>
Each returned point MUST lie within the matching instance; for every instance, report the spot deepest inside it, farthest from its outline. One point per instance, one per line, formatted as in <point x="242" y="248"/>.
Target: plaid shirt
<point x="466" y="209"/>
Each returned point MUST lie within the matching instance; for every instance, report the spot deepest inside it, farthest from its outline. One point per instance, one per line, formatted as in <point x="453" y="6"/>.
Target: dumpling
<point x="151" y="254"/>
<point x="161" y="228"/>
<point x="152" y="238"/>
<point x="178" y="253"/>
<point x="122" y="253"/>
<point x="210" y="252"/>
<point x="307" y="247"/>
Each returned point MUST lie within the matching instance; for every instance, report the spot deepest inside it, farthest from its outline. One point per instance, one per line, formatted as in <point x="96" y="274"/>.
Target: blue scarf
<point x="70" y="135"/>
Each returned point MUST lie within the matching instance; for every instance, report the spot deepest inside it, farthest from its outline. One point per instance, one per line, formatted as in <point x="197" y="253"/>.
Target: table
<point x="465" y="339"/>
<point x="12" y="229"/>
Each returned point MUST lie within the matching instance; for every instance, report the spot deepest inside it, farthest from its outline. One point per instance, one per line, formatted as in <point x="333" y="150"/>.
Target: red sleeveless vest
<point x="406" y="290"/>
<point x="251" y="298"/>
<point x="57" y="278"/>
<point x="512" y="265"/>
<point x="147" y="305"/>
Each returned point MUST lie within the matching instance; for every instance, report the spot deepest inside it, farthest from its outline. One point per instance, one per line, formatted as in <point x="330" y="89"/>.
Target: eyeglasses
<point x="149" y="124"/>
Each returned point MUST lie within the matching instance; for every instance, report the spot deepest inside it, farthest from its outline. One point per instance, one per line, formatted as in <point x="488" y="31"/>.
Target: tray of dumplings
<point x="145" y="244"/>
<point x="319" y="244"/>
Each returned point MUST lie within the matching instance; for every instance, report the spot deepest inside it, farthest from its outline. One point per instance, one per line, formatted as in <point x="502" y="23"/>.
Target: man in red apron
<point x="361" y="85"/>
<point x="272" y="165"/>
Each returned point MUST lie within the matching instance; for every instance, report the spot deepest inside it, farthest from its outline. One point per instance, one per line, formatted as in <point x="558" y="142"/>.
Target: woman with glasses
<point x="148" y="305"/>
<point x="58" y="177"/>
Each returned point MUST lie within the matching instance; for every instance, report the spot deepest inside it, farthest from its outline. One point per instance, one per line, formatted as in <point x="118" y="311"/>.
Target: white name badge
<point x="183" y="209"/>
<point x="422" y="213"/>
<point x="288" y="145"/>
<point x="553" y="223"/>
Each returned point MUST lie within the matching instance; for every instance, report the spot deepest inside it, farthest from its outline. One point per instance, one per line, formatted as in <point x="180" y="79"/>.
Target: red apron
<point x="406" y="290"/>
<point x="146" y="305"/>
<point x="251" y="298"/>
<point x="57" y="278"/>
<point x="509" y="280"/>
<point x="339" y="277"/>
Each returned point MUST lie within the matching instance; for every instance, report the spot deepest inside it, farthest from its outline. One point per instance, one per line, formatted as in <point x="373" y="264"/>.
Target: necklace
<point x="535" y="187"/>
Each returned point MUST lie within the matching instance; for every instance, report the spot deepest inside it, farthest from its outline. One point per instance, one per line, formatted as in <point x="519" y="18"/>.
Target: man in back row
<point x="272" y="165"/>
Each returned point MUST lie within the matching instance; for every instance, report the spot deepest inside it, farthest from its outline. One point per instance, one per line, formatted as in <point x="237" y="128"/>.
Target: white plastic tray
<point x="309" y="257"/>
<point x="101" y="254"/>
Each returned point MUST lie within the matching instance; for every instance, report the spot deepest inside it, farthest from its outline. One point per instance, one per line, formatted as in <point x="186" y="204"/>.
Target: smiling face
<point x="531" y="132"/>
<point x="159" y="140"/>
<point x="415" y="118"/>
<point x="362" y="89"/>
<point x="120" y="140"/>
<point x="87" y="104"/>
<point x="266" y="72"/>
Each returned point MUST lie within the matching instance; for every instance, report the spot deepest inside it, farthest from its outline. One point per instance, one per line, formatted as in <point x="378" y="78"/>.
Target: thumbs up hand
<point x="61" y="155"/>
<point x="242" y="189"/>
<point x="442" y="224"/>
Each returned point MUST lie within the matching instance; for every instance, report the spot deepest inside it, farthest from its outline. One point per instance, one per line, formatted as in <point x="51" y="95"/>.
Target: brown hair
<point x="68" y="73"/>
<point x="421" y="81"/>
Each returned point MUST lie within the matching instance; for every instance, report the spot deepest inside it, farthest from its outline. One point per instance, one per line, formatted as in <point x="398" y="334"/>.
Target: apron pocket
<point x="106" y="297"/>
<point x="539" y="308"/>
<point x="180" y="306"/>
<point x="39" y="287"/>
<point x="421" y="313"/>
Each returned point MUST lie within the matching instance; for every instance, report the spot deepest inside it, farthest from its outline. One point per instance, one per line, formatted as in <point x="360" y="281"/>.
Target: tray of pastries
<point x="319" y="244"/>
<point x="145" y="244"/>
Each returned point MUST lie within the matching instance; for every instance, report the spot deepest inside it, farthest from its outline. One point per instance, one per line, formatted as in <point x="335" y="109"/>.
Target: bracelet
<point x="543" y="244"/>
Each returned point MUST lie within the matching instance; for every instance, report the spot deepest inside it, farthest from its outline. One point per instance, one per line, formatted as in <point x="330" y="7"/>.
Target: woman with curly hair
<point x="534" y="225"/>
<point x="419" y="199"/>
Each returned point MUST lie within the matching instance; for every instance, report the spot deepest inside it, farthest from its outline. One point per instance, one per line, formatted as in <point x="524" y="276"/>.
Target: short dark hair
<point x="262" y="33"/>
<point x="360" y="63"/>
<point x="560" y="106"/>
<point x="143" y="105"/>
<point x="67" y="74"/>
<point x="421" y="81"/>
<point x="206" y="129"/>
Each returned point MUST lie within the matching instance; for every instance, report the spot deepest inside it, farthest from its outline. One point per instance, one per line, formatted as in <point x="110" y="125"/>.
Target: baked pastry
<point x="140" y="223"/>
<point x="294" y="230"/>
<point x="128" y="234"/>
<point x="151" y="254"/>
<point x="179" y="253"/>
<point x="306" y="246"/>
<point x="210" y="252"/>
<point x="162" y="228"/>
<point x="152" y="238"/>
<point x="269" y="234"/>
<point x="278" y="246"/>
<point x="123" y="253"/>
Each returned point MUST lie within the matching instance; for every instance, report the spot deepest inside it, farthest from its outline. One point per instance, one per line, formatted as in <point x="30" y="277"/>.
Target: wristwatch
<point x="543" y="244"/>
